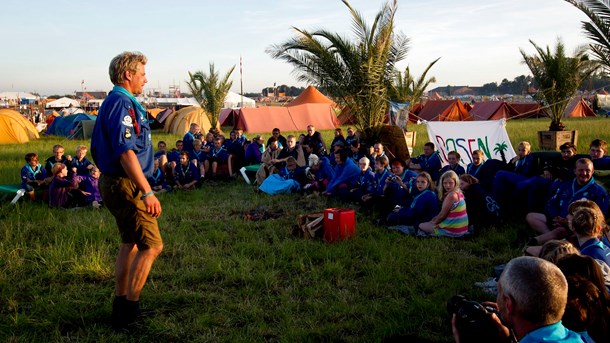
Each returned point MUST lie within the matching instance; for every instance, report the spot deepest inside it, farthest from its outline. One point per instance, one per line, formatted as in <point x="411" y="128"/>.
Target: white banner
<point x="465" y="137"/>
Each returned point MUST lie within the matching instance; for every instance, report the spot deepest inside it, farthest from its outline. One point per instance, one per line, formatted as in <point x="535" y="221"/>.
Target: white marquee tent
<point x="62" y="103"/>
<point x="233" y="100"/>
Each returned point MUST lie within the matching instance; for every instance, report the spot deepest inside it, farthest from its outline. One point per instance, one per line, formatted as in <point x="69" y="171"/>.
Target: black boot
<point x="118" y="308"/>
<point x="132" y="312"/>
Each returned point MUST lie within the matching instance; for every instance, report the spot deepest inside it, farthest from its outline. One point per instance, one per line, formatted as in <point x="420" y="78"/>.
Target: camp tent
<point x="578" y="108"/>
<point x="528" y="110"/>
<point x="311" y="95"/>
<point x="62" y="103"/>
<point x="492" y="110"/>
<point x="14" y="128"/>
<point x="68" y="125"/>
<point x="228" y="117"/>
<point x="234" y="100"/>
<point x="295" y="118"/>
<point x="180" y="121"/>
<point x="444" y="110"/>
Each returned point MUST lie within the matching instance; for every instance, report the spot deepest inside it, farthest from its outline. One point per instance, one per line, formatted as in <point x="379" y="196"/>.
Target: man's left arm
<point x="133" y="169"/>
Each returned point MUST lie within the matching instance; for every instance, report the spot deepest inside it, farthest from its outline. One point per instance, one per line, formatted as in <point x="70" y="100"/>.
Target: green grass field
<point x="222" y="277"/>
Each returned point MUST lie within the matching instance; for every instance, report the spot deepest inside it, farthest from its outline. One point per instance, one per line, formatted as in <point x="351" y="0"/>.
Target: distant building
<point x="92" y="95"/>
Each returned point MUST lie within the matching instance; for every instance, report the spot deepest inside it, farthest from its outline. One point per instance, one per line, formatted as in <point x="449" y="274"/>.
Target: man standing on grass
<point x="121" y="146"/>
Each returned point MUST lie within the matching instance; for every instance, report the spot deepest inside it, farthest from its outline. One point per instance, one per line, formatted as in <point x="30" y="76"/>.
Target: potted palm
<point x="559" y="77"/>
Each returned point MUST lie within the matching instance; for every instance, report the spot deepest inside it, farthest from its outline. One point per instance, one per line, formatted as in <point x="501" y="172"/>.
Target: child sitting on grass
<point x="586" y="225"/>
<point x="421" y="208"/>
<point x="89" y="185"/>
<point x="63" y="191"/>
<point x="452" y="221"/>
<point x="32" y="175"/>
<point x="157" y="181"/>
<point x="80" y="165"/>
<point x="186" y="174"/>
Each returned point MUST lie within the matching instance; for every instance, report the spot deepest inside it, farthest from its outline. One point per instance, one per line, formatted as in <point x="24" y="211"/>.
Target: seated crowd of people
<point x="557" y="198"/>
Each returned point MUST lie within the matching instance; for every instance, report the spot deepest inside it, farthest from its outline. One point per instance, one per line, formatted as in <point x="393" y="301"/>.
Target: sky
<point x="51" y="47"/>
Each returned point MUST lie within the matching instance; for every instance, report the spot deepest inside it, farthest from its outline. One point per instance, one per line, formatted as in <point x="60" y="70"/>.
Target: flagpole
<point x="241" y="81"/>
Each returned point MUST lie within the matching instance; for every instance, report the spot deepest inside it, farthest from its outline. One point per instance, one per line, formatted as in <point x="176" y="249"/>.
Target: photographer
<point x="532" y="296"/>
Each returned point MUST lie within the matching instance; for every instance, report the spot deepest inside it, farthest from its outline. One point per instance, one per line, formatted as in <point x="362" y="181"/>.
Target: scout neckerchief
<point x="363" y="177"/>
<point x="184" y="171"/>
<point x="582" y="189"/>
<point x="197" y="153"/>
<point x="417" y="197"/>
<point x="157" y="175"/>
<point x="381" y="177"/>
<point x="141" y="111"/>
<point x="38" y="168"/>
<point x="216" y="152"/>
<point x="472" y="166"/>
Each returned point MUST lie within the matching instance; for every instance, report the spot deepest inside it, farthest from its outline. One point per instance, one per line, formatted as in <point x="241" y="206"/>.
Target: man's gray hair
<point x="538" y="288"/>
<point x="125" y="61"/>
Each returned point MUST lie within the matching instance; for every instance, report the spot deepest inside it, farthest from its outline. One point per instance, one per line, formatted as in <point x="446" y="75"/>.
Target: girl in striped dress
<point x="452" y="221"/>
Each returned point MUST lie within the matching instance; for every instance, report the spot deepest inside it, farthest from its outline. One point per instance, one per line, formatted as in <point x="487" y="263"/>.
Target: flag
<point x="82" y="82"/>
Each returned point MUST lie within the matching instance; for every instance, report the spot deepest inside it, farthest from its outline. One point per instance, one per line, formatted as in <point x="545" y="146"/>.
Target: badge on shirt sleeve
<point x="127" y="121"/>
<point x="127" y="133"/>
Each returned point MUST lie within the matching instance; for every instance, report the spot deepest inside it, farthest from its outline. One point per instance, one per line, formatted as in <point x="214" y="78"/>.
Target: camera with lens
<point x="473" y="321"/>
<point x="392" y="178"/>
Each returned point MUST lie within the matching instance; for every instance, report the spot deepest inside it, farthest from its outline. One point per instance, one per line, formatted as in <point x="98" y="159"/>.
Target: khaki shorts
<point x="122" y="198"/>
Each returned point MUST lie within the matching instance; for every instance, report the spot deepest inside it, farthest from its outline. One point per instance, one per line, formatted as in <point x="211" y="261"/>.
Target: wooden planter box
<point x="552" y="140"/>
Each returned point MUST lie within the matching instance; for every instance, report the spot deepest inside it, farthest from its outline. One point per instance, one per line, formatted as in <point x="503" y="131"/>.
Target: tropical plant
<point x="355" y="72"/>
<point x="405" y="88"/>
<point x="500" y="149"/>
<point x="598" y="29"/>
<point x="210" y="91"/>
<point x="558" y="76"/>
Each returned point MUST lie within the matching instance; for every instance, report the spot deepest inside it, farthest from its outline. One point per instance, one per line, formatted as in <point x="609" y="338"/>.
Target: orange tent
<point x="492" y="110"/>
<point x="578" y="108"/>
<point x="310" y="95"/>
<point x="294" y="118"/>
<point x="444" y="110"/>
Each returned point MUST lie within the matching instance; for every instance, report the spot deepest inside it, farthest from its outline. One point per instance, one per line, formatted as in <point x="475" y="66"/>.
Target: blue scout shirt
<point x="29" y="174"/>
<point x="186" y="174"/>
<point x="570" y="191"/>
<point x="431" y="164"/>
<point x="552" y="333"/>
<point x="118" y="128"/>
<point x="81" y="166"/>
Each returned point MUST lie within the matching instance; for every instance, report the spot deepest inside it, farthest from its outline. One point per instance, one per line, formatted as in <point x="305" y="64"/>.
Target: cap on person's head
<point x="313" y="159"/>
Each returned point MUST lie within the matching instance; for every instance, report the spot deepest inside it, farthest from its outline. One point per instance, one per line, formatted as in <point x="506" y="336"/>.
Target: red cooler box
<point x="339" y="224"/>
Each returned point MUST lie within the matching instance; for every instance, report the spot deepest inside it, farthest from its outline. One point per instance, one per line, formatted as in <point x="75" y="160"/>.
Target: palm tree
<point x="598" y="29"/>
<point x="500" y="149"/>
<point x="405" y="88"/>
<point x="558" y="76"/>
<point x="355" y="72"/>
<point x="210" y="91"/>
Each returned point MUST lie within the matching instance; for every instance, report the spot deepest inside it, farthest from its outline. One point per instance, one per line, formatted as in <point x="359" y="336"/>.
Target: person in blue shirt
<point x="365" y="181"/>
<point x="355" y="152"/>
<point x="583" y="186"/>
<point x="198" y="156"/>
<point x="453" y="157"/>
<point x="351" y="136"/>
<point x="254" y="151"/>
<point x="587" y="226"/>
<point x="346" y="176"/>
<point x="396" y="188"/>
<point x="379" y="181"/>
<point x="173" y="158"/>
<point x="338" y="139"/>
<point x="186" y="174"/>
<point x="58" y="157"/>
<point x="189" y="137"/>
<point x="33" y="175"/>
<point x="598" y="150"/>
<point x="281" y="140"/>
<point x="161" y="155"/>
<point x="532" y="297"/>
<point x="320" y="172"/>
<point x="235" y="148"/>
<point x="216" y="157"/>
<point x="157" y="180"/>
<point x="505" y="182"/>
<point x="429" y="161"/>
<point x="121" y="146"/>
<point x="80" y="165"/>
<point x="421" y="208"/>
